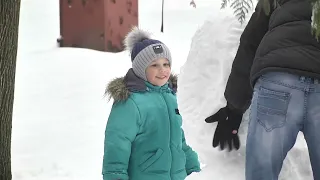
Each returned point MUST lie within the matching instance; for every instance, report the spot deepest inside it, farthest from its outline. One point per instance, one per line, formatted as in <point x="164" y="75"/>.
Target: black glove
<point x="229" y="119"/>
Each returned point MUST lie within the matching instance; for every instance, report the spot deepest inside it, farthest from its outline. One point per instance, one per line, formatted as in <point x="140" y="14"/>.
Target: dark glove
<point x="229" y="119"/>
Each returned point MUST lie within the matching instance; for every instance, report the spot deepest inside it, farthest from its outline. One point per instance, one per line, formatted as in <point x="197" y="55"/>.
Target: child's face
<point x="158" y="72"/>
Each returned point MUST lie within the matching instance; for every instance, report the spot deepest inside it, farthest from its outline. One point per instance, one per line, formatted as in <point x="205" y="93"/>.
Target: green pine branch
<point x="316" y="18"/>
<point x="242" y="7"/>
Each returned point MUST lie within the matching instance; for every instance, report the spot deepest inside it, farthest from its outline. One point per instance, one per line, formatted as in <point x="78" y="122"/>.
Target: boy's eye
<point x="166" y="64"/>
<point x="154" y="65"/>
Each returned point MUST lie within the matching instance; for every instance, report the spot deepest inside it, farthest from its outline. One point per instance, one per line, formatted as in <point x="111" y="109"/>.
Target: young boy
<point x="144" y="139"/>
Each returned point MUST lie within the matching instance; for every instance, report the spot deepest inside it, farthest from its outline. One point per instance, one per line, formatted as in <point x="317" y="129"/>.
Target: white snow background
<point x="60" y="111"/>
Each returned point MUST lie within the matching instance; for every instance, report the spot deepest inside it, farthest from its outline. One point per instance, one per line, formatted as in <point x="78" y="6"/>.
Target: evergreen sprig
<point x="241" y="9"/>
<point x="316" y="18"/>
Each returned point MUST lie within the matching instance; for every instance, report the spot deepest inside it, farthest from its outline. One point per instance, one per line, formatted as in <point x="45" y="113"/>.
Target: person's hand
<point x="226" y="133"/>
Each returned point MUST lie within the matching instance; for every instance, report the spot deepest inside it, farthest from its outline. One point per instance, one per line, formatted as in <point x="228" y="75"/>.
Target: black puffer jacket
<point x="281" y="41"/>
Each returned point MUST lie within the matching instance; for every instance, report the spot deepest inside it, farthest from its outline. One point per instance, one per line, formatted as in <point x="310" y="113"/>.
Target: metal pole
<point x="162" y="17"/>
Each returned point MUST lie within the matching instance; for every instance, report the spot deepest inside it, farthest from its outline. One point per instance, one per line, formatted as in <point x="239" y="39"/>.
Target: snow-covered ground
<point x="60" y="111"/>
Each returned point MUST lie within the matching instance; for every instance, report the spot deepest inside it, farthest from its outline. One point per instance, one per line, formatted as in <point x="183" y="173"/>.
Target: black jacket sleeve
<point x="238" y="91"/>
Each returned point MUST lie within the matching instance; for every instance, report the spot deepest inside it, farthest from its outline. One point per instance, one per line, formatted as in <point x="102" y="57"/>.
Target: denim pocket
<point x="272" y="108"/>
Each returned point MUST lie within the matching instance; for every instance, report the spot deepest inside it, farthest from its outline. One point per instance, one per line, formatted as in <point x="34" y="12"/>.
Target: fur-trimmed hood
<point x="120" y="88"/>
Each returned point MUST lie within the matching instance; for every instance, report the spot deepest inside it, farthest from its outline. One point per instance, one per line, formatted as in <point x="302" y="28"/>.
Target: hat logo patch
<point x="157" y="49"/>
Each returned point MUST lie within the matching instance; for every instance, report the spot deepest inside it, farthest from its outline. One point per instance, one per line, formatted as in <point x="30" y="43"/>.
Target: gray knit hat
<point x="144" y="50"/>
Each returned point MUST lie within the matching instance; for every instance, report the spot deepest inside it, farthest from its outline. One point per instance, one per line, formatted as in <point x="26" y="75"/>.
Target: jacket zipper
<point x="169" y="145"/>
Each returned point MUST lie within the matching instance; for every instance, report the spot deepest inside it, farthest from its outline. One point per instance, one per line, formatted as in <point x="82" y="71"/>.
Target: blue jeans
<point x="282" y="105"/>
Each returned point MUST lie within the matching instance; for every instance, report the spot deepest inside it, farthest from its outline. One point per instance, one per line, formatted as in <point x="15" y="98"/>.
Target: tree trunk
<point x="9" y="23"/>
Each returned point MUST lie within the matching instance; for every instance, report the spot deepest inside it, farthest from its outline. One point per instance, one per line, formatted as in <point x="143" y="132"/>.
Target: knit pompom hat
<point x="144" y="50"/>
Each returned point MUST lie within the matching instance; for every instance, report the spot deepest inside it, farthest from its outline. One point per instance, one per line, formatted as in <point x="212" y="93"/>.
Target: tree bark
<point x="9" y="24"/>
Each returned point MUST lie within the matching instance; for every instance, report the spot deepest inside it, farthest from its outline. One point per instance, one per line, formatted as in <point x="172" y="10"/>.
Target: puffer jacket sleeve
<point x="192" y="163"/>
<point x="238" y="91"/>
<point x="121" y="130"/>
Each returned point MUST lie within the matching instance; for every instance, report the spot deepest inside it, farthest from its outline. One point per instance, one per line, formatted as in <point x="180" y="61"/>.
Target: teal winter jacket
<point x="143" y="138"/>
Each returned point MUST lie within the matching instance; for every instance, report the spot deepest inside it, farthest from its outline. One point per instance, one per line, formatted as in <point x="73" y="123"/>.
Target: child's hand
<point x="192" y="3"/>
